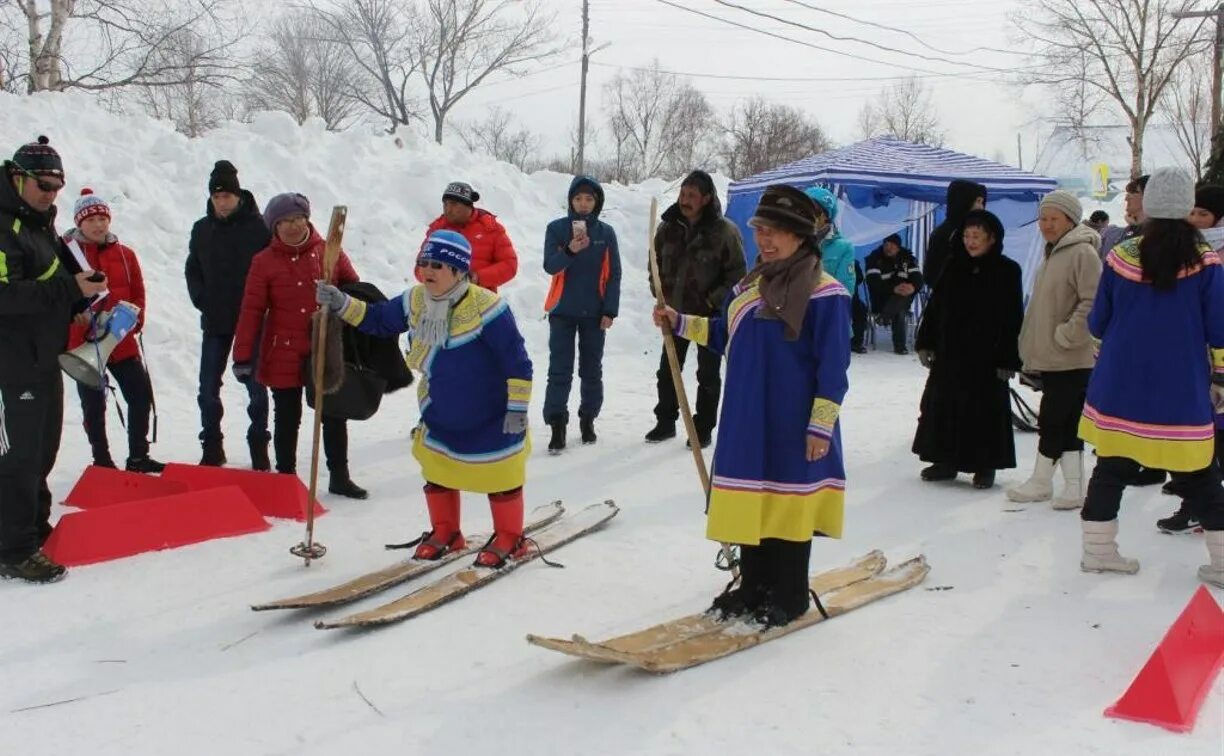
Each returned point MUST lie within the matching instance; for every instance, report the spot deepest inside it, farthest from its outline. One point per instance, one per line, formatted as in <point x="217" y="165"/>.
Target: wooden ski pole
<point x="309" y="549"/>
<point x="673" y="361"/>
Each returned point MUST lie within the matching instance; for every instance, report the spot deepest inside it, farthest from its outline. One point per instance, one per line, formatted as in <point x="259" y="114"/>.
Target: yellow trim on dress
<point x="694" y="328"/>
<point x="505" y="474"/>
<point x="1158" y="454"/>
<point x="748" y="516"/>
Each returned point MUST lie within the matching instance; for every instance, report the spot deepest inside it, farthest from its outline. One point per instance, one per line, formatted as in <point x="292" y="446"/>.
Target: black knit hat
<point x="1210" y="197"/>
<point x="784" y="207"/>
<point x="461" y="192"/>
<point x="39" y="158"/>
<point x="224" y="178"/>
<point x="701" y="181"/>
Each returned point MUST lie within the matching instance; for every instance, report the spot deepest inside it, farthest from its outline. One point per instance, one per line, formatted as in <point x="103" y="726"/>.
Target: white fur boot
<point x="1039" y="486"/>
<point x="1101" y="549"/>
<point x="1214" y="573"/>
<point x="1072" y="495"/>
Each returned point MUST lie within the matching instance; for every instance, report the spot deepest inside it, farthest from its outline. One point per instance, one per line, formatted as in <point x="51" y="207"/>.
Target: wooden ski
<point x="463" y="582"/>
<point x="400" y="572"/>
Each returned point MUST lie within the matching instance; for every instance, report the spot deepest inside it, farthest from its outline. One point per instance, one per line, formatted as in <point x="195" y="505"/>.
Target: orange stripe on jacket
<point x="557" y="287"/>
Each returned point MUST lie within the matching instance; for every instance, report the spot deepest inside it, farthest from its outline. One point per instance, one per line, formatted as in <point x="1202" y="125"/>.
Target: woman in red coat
<point x="277" y="305"/>
<point x="96" y="248"/>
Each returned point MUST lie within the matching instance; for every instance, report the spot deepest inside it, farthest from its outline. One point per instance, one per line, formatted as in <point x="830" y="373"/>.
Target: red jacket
<point x="493" y="257"/>
<point x="279" y="298"/>
<point x="125" y="283"/>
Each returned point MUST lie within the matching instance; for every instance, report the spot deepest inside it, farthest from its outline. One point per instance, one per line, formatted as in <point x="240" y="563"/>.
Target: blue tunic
<point x="468" y="385"/>
<point x="778" y="392"/>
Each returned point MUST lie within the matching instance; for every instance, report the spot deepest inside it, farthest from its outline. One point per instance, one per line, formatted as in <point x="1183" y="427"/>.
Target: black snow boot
<point x="341" y="484"/>
<point x="938" y="472"/>
<point x="586" y="425"/>
<point x="259" y="454"/>
<point x="984" y="479"/>
<point x="746" y="598"/>
<point x="145" y="465"/>
<point x="214" y="454"/>
<point x="704" y="437"/>
<point x="789" y="594"/>
<point x="556" y="444"/>
<point x="662" y="431"/>
<point x="1149" y="477"/>
<point x="35" y="569"/>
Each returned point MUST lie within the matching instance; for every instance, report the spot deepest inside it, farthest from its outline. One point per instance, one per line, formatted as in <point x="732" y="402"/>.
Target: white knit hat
<point x="1169" y="194"/>
<point x="1064" y="202"/>
<point x="89" y="204"/>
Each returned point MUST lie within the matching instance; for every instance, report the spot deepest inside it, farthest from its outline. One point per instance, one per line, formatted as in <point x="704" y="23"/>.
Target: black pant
<point x="137" y="392"/>
<point x="1202" y="490"/>
<point x="1062" y="402"/>
<point x="31" y="420"/>
<point x="562" y="330"/>
<point x="709" y="387"/>
<point x="287" y="405"/>
<point x="214" y="354"/>
<point x="894" y="313"/>
<point x="858" y="322"/>
<point x="778" y="567"/>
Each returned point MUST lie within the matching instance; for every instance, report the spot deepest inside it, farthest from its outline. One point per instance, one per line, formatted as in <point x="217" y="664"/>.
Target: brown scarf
<point x="786" y="286"/>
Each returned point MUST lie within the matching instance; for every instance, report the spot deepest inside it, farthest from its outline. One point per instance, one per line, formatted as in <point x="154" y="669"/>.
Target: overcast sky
<point x="981" y="114"/>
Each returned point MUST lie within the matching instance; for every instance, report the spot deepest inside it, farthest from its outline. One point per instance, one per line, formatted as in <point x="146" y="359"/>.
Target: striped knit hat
<point x="39" y="158"/>
<point x="448" y="247"/>
<point x="89" y="204"/>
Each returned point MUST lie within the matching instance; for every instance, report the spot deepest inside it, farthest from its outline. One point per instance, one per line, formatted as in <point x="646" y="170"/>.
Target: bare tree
<point x="305" y="73"/>
<point x="658" y="122"/>
<point x="498" y="136"/>
<point x="1188" y="110"/>
<point x="109" y="44"/>
<point x="192" y="103"/>
<point x="462" y="42"/>
<point x="1128" y="50"/>
<point x="759" y="135"/>
<point x="381" y="38"/>
<point x="904" y="110"/>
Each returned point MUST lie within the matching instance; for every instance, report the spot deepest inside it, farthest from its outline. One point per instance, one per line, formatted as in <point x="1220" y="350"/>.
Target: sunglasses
<point x="43" y="185"/>
<point x="431" y="264"/>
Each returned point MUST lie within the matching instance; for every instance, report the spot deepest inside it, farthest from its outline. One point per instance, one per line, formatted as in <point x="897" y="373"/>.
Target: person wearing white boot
<point x="1159" y="313"/>
<point x="1055" y="343"/>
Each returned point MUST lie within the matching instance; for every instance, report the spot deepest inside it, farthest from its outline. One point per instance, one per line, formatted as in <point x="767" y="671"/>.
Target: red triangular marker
<point x="103" y="486"/>
<point x="1170" y="688"/>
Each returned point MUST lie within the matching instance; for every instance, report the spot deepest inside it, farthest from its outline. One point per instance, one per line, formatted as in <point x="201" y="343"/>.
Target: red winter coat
<point x="279" y="298"/>
<point x="125" y="283"/>
<point x="493" y="257"/>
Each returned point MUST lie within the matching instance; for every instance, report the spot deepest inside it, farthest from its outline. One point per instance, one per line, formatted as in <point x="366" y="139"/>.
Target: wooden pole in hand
<point x="308" y="549"/>
<point x="673" y="361"/>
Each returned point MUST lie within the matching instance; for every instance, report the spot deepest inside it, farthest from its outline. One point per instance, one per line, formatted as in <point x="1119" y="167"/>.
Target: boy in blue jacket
<point x="581" y="254"/>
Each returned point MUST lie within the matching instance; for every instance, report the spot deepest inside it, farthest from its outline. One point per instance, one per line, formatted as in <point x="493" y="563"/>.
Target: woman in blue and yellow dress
<point x="473" y="396"/>
<point x="1159" y="315"/>
<point x="778" y="477"/>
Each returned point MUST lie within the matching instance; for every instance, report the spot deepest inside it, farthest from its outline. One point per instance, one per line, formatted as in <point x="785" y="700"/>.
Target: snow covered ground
<point x="1018" y="653"/>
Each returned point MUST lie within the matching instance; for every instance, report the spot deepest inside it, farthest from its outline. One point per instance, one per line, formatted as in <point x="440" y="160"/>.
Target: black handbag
<point x="358" y="397"/>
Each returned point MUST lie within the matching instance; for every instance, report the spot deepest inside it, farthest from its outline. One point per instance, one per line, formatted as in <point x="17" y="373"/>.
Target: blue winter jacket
<point x="837" y="256"/>
<point x="586" y="284"/>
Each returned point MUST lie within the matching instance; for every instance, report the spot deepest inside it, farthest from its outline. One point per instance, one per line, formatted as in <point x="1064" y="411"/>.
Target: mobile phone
<point x="579" y="227"/>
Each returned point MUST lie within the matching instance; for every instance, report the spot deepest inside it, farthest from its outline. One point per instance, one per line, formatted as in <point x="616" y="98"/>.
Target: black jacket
<point x="218" y="258"/>
<point x="945" y="241"/>
<point x="38" y="293"/>
<point x="698" y="265"/>
<point x="382" y="355"/>
<point x="885" y="273"/>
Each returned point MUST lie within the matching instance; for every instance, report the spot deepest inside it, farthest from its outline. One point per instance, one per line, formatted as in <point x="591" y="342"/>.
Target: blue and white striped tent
<point x="886" y="186"/>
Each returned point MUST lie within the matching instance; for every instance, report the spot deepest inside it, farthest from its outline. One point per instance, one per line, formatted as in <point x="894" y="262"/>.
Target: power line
<point x="733" y="77"/>
<point x="867" y="42"/>
<point x="812" y="45"/>
<point x="899" y="30"/>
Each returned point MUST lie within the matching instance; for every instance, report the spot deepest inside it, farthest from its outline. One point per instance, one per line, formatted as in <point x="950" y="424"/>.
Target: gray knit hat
<point x="1064" y="202"/>
<point x="1169" y="194"/>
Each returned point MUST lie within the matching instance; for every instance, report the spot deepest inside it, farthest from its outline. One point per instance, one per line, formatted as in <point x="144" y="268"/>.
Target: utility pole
<point x="1019" y="153"/>
<point x="1217" y="65"/>
<point x="586" y="58"/>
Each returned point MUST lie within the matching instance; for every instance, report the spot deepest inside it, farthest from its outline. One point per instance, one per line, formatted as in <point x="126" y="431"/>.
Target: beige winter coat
<point x="1055" y="332"/>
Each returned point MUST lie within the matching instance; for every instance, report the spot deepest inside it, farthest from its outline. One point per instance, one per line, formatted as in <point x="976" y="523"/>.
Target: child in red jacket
<point x="96" y="248"/>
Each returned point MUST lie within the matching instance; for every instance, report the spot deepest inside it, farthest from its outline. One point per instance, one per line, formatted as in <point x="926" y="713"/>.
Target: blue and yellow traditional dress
<point x="777" y="393"/>
<point x="1149" y="397"/>
<point x="468" y="385"/>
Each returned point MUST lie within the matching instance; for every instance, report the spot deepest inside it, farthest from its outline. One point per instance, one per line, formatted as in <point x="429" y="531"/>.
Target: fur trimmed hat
<point x="784" y="207"/>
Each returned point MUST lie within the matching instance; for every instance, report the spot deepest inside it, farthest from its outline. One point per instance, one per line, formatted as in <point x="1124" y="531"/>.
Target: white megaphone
<point x="87" y="363"/>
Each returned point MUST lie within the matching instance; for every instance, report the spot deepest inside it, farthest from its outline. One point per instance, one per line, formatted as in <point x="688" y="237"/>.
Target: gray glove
<point x="516" y="423"/>
<point x="1005" y="375"/>
<point x="330" y="297"/>
<point x="926" y="357"/>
